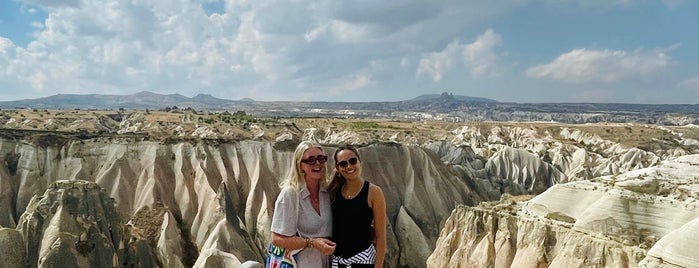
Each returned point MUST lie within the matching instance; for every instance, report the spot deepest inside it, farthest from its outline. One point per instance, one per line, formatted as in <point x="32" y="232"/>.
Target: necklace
<point x="347" y="192"/>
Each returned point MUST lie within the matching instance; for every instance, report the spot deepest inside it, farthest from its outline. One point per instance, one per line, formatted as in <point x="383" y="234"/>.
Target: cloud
<point x="478" y="57"/>
<point x="6" y="54"/>
<point x="244" y="47"/>
<point x="5" y="45"/>
<point x="279" y="50"/>
<point x="437" y="63"/>
<point x="148" y="45"/>
<point x="582" y="65"/>
<point x="691" y="84"/>
<point x="351" y="83"/>
<point x="387" y="16"/>
<point x="340" y="31"/>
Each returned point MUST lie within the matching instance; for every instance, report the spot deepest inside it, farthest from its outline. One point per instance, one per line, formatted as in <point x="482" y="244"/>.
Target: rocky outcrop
<point x="676" y="249"/>
<point x="12" y="248"/>
<point x="642" y="217"/>
<point x="523" y="170"/>
<point x="73" y="224"/>
<point x="196" y="204"/>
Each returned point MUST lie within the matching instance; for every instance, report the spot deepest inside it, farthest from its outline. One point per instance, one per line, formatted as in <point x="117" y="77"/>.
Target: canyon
<point x="185" y="189"/>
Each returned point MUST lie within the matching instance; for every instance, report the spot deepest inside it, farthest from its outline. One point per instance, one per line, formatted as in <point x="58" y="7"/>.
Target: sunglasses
<point x="313" y="159"/>
<point x="351" y="161"/>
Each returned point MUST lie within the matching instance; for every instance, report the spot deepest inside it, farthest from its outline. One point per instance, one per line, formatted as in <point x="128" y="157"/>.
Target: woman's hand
<point x="323" y="245"/>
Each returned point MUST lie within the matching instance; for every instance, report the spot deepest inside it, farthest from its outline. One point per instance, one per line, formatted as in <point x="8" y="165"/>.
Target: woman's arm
<point x="323" y="245"/>
<point x="378" y="207"/>
<point x="288" y="242"/>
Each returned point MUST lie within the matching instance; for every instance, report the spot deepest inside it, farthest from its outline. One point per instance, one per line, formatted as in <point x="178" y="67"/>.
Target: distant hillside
<point x="150" y="100"/>
<point x="140" y="100"/>
<point x="448" y="96"/>
<point x="445" y="106"/>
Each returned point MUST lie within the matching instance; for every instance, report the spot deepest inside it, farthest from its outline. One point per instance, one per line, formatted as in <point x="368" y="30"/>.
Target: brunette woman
<point x="359" y="214"/>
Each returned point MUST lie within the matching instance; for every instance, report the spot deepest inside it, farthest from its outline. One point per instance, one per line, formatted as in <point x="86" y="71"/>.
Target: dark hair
<point x="337" y="179"/>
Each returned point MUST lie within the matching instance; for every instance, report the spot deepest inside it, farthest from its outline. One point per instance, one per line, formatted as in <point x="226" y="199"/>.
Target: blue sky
<point x="365" y="50"/>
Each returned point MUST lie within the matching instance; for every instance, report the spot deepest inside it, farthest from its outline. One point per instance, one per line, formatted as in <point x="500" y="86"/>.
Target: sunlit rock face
<point x="169" y="198"/>
<point x="524" y="170"/>
<point x="198" y="204"/>
<point x="645" y="217"/>
<point x="206" y="203"/>
<point x="73" y="224"/>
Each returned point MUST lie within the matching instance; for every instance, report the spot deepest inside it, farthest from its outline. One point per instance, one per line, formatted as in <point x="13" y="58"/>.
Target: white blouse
<point x="308" y="223"/>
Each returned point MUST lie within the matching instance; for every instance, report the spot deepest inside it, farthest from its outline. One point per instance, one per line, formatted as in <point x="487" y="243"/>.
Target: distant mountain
<point x="150" y="100"/>
<point x="446" y="106"/>
<point x="449" y="96"/>
<point x="140" y="100"/>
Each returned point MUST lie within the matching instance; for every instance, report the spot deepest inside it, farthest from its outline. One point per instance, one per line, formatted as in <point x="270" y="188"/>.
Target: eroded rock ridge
<point x="208" y="202"/>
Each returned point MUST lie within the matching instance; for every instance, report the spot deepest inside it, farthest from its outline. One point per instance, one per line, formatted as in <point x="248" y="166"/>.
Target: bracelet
<point x="308" y="243"/>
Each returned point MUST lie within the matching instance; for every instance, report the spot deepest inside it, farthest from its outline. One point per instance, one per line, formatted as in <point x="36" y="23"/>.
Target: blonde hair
<point x="295" y="179"/>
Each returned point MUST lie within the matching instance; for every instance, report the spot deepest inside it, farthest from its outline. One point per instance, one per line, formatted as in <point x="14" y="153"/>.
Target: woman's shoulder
<point x="376" y="196"/>
<point x="286" y="189"/>
<point x="288" y="192"/>
<point x="373" y="185"/>
<point x="375" y="189"/>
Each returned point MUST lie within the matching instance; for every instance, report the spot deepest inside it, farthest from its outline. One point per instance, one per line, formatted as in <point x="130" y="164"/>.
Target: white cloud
<point x="478" y="57"/>
<point x="279" y="50"/>
<point x="155" y="45"/>
<point x="435" y="64"/>
<point x="5" y="45"/>
<point x="258" y="47"/>
<point x="37" y="80"/>
<point x="340" y="31"/>
<point x="351" y="83"/>
<point x="315" y="33"/>
<point x="6" y="53"/>
<point x="582" y="65"/>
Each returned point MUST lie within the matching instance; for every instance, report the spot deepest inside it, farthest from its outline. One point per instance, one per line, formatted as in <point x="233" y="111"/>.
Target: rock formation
<point x="183" y="204"/>
<point x="645" y="217"/>
<point x="209" y="202"/>
<point x="73" y="224"/>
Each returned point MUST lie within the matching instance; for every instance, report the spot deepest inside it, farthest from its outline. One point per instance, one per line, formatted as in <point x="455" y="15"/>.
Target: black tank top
<point x="352" y="222"/>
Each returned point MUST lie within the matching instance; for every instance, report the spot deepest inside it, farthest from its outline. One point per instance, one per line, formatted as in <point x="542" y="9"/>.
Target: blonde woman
<point x="302" y="213"/>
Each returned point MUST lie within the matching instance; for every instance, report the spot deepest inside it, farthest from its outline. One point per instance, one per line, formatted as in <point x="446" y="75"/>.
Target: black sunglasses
<point x="313" y="159"/>
<point x="351" y="161"/>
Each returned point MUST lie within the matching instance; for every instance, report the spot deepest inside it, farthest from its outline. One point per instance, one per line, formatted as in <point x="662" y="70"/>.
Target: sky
<point x="523" y="51"/>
